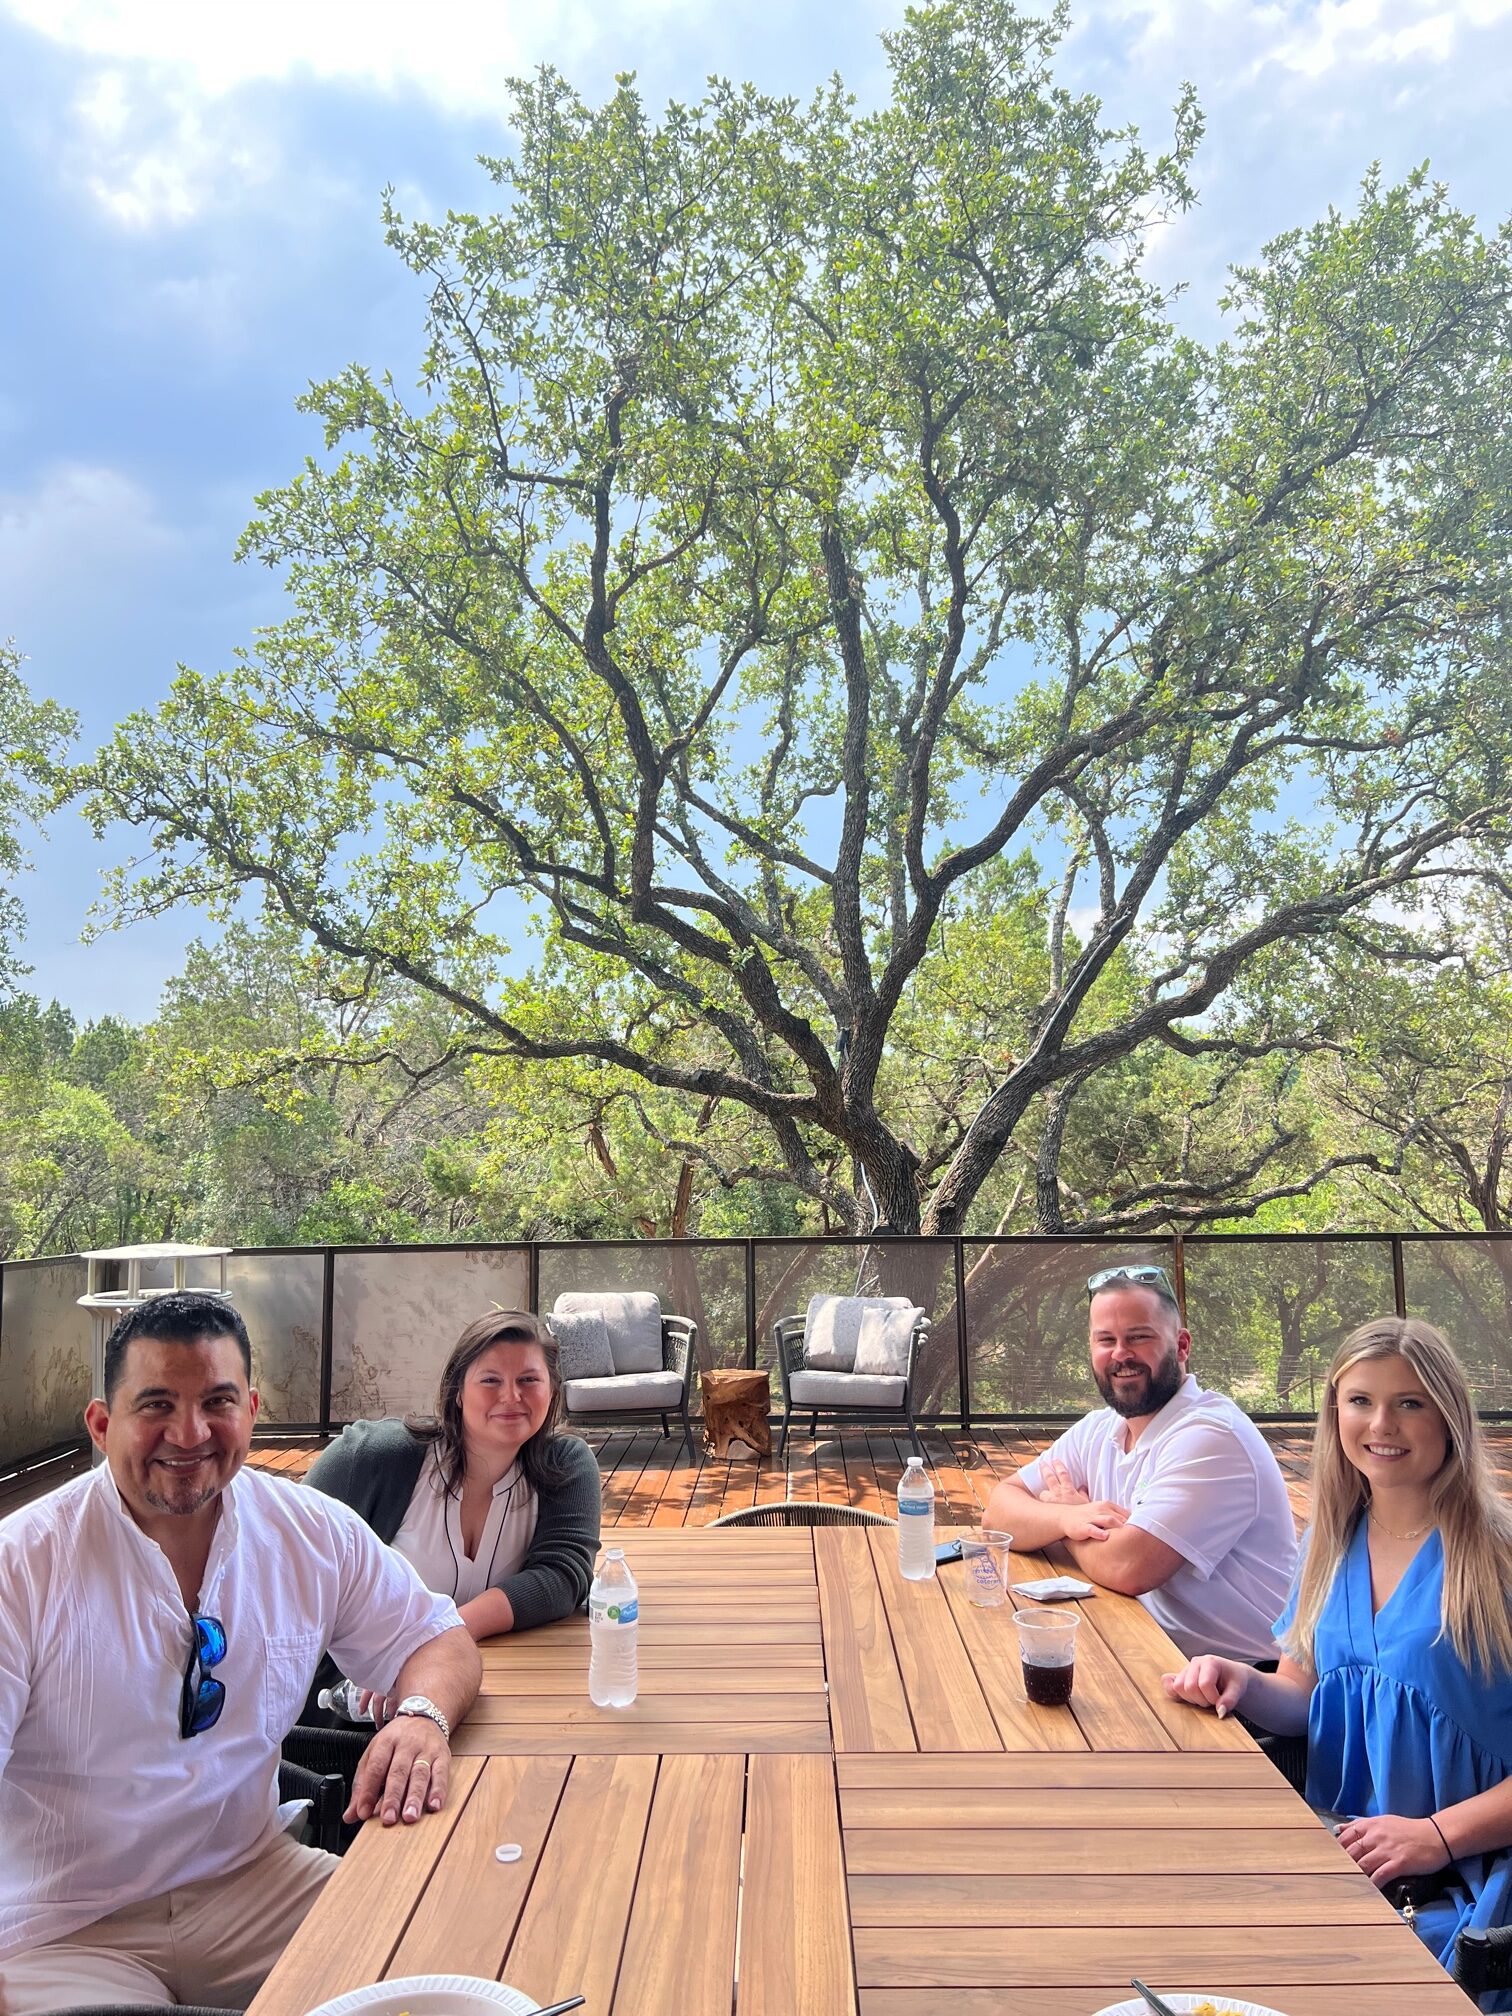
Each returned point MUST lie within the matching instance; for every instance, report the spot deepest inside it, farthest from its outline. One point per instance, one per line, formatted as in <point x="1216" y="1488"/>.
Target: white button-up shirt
<point x="102" y="1802"/>
<point x="1202" y="1479"/>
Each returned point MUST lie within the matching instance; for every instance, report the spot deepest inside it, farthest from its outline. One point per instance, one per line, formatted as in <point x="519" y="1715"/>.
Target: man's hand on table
<point x="403" y="1772"/>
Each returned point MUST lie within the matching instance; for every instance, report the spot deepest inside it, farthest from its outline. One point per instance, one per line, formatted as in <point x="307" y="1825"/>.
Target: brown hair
<point x="1475" y="1524"/>
<point x="541" y="1462"/>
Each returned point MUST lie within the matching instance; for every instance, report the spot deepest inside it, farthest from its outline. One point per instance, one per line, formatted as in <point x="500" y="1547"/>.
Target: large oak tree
<point x="806" y="515"/>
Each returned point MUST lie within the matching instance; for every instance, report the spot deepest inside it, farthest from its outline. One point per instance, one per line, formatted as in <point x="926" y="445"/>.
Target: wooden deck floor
<point x="648" y="1480"/>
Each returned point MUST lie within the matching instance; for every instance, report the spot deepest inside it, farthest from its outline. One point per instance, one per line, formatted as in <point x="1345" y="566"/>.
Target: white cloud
<point x="81" y="533"/>
<point x="152" y="151"/>
<point x="1312" y="41"/>
<point x="458" y="52"/>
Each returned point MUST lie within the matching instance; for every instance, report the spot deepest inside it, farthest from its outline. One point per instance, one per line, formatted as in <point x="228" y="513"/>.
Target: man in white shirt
<point x="159" y="1627"/>
<point x="1169" y="1493"/>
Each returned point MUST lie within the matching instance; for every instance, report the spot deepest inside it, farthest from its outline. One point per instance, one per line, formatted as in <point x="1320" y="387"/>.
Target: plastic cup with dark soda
<point x="1047" y="1647"/>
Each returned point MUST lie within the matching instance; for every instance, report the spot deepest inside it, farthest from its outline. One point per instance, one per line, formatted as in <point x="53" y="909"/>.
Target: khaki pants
<point x="209" y="1942"/>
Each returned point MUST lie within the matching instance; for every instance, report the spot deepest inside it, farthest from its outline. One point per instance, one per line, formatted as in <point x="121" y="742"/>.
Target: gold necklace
<point x="1416" y="1534"/>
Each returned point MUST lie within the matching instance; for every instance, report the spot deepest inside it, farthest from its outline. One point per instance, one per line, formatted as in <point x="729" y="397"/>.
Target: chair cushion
<point x="633" y="1320"/>
<point x="845" y="1389"/>
<point x="582" y="1338"/>
<point x="626" y="1389"/>
<point x="832" y="1328"/>
<point x="882" y="1346"/>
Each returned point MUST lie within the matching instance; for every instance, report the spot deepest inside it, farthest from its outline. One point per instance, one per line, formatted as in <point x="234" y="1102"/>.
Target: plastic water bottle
<point x="342" y="1700"/>
<point x="613" y="1622"/>
<point x="916" y="1541"/>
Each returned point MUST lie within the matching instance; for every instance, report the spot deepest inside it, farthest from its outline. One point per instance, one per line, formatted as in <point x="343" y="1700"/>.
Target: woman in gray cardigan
<point x="486" y="1500"/>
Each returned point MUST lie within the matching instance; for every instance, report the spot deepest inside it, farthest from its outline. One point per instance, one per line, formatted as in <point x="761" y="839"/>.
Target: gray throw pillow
<point x="582" y="1338"/>
<point x="882" y="1346"/>
<point x="632" y="1317"/>
<point x="832" y="1328"/>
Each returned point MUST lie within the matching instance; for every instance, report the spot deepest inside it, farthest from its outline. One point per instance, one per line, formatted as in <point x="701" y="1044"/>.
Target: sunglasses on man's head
<point x="1138" y="1277"/>
<point x="202" y="1698"/>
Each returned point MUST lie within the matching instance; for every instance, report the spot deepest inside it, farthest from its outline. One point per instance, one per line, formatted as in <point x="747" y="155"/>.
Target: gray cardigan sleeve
<point x="558" y="1565"/>
<point x="373" y="1466"/>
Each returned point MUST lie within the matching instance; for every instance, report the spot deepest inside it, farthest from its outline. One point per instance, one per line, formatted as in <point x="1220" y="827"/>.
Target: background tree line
<point x="263" y="1107"/>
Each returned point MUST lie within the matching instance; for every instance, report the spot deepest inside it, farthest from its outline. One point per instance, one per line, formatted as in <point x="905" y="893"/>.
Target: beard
<point x="187" y="1498"/>
<point x="1149" y="1395"/>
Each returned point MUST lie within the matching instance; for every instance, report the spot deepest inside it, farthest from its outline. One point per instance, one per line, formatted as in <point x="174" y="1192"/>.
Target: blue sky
<point x="190" y="195"/>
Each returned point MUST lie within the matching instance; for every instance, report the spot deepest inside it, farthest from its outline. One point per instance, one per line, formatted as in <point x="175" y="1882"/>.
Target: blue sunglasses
<point x="202" y="1698"/>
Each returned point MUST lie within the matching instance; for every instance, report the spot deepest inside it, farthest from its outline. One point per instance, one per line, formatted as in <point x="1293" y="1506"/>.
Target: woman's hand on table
<point x="1389" y="1845"/>
<point x="1210" y="1682"/>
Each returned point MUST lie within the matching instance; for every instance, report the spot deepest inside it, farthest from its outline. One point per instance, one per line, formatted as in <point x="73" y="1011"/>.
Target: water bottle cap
<point x="614" y="1553"/>
<point x="916" y="1462"/>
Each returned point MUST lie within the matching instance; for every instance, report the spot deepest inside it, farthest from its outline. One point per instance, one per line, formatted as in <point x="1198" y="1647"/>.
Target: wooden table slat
<point x="969" y="1956"/>
<point x="1075" y="1806"/>
<point x="648" y="1739"/>
<point x="795" y="1936"/>
<point x="1420" y="1998"/>
<point x="507" y="1684"/>
<point x="1080" y="1851"/>
<point x="1163" y="1770"/>
<point x="947" y="1706"/>
<point x="680" y="1947"/>
<point x="465" y="1920"/>
<point x="867" y="1704"/>
<point x="567" y="1713"/>
<point x="934" y="1898"/>
<point x="572" y="1930"/>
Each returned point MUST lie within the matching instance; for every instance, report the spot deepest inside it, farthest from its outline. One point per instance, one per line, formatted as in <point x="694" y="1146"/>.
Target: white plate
<point x="1185" y="2004"/>
<point x="433" y="1995"/>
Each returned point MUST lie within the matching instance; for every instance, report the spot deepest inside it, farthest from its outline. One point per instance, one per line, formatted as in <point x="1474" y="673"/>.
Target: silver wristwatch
<point x="421" y="1704"/>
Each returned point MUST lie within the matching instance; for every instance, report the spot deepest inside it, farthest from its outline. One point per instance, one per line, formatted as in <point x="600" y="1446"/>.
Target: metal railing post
<point x="963" y="1344"/>
<point x="1398" y="1274"/>
<point x="750" y="1304"/>
<point x="327" y="1311"/>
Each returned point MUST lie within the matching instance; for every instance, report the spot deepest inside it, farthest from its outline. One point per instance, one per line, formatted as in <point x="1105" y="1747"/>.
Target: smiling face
<point x="1139" y="1350"/>
<point x="506" y="1392"/>
<point x="1389" y="1428"/>
<point x="178" y="1426"/>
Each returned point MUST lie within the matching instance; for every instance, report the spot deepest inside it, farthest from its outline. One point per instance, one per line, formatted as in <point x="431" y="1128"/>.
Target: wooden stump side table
<point x="735" y="1407"/>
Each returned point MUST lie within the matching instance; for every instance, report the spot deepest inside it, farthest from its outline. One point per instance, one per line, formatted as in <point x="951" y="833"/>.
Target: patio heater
<point x="106" y="1305"/>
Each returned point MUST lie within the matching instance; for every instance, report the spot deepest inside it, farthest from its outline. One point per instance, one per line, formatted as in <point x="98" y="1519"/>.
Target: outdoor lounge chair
<point x="622" y="1358"/>
<point x="851" y="1357"/>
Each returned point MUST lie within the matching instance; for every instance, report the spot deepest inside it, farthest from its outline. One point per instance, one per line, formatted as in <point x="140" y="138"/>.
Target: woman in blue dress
<point x="1398" y="1635"/>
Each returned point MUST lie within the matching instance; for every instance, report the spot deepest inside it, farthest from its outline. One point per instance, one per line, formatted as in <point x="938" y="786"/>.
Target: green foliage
<point x="819" y="666"/>
<point x="33" y="737"/>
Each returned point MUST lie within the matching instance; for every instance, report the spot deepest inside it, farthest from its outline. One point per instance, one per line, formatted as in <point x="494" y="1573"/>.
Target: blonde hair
<point x="1474" y="1521"/>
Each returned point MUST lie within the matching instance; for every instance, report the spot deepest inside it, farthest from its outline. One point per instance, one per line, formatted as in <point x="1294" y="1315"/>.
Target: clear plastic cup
<point x="1047" y="1647"/>
<point x="984" y="1555"/>
<point x="985" y="1589"/>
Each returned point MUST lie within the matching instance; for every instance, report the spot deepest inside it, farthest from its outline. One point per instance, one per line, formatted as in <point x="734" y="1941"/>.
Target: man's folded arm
<point x="1130" y="1561"/>
<point x="1033" y="1522"/>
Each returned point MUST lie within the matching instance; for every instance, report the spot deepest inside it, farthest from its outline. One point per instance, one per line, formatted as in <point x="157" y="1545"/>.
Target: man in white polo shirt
<point x="1169" y="1493"/>
<point x="159" y="1627"/>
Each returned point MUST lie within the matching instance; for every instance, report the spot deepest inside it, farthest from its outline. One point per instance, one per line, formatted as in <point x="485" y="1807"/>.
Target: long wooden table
<point x="831" y="1799"/>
